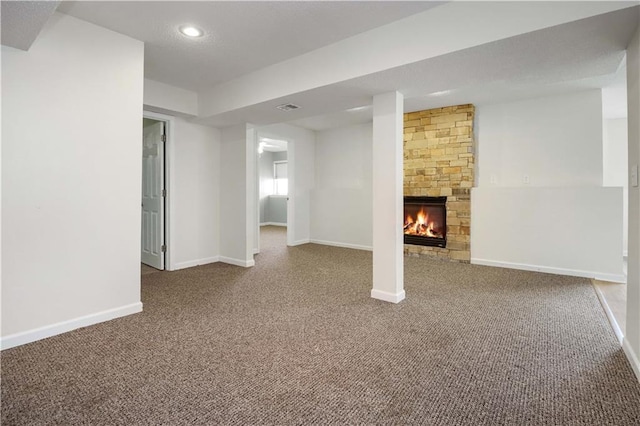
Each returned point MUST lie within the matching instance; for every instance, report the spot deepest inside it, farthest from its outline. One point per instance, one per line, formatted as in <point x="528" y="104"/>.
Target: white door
<point x="153" y="196"/>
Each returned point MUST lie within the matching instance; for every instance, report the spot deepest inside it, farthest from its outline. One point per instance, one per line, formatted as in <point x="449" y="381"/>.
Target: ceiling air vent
<point x="287" y="107"/>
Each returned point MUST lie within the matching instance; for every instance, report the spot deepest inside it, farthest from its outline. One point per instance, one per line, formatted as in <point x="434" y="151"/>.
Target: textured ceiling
<point x="576" y="56"/>
<point x="241" y="36"/>
<point x="246" y="36"/>
<point x="23" y="20"/>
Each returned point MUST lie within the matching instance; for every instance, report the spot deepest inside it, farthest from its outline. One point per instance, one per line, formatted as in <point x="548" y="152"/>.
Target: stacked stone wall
<point x="439" y="161"/>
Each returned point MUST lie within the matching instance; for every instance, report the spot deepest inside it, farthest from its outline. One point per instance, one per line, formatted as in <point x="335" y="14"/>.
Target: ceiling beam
<point x="448" y="28"/>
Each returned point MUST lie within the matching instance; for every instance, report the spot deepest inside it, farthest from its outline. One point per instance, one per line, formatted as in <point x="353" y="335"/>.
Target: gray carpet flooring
<point x="297" y="340"/>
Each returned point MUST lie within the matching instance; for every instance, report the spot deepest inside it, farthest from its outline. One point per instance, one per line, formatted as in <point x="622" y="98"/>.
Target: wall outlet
<point x="525" y="179"/>
<point x="493" y="179"/>
<point x="634" y="175"/>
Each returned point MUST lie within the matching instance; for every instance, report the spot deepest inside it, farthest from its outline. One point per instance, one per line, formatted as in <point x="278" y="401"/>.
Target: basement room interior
<point x="372" y="212"/>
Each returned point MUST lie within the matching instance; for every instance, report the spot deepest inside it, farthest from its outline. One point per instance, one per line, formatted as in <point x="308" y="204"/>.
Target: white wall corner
<point x="196" y="262"/>
<point x="237" y="262"/>
<point x="166" y="99"/>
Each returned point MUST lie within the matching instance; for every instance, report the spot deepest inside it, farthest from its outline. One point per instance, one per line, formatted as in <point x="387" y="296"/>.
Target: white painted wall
<point x="265" y="173"/>
<point x="557" y="230"/>
<point x="238" y="212"/>
<point x="277" y="210"/>
<point x="341" y="203"/>
<point x="166" y="99"/>
<point x="301" y="164"/>
<point x="556" y="141"/>
<point x="253" y="189"/>
<point x="632" y="332"/>
<point x="272" y="208"/>
<point x="71" y="180"/>
<point x="194" y="195"/>
<point x="614" y="166"/>
<point x="614" y="152"/>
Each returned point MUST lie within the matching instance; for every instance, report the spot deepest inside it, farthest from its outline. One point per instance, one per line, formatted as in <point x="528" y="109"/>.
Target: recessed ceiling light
<point x="191" y="31"/>
<point x="441" y="93"/>
<point x="360" y="108"/>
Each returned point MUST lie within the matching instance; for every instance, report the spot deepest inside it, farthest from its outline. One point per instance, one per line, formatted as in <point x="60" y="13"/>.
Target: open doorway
<point x="273" y="180"/>
<point x="153" y="246"/>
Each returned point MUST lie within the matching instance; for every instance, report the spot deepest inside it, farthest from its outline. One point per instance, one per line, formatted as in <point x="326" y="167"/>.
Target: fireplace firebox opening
<point x="425" y="221"/>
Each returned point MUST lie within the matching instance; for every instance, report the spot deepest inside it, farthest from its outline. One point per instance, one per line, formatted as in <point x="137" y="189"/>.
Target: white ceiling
<point x="23" y="20"/>
<point x="581" y="55"/>
<point x="241" y="36"/>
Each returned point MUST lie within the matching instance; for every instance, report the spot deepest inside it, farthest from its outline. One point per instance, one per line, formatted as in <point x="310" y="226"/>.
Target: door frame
<point x="290" y="177"/>
<point x="168" y="182"/>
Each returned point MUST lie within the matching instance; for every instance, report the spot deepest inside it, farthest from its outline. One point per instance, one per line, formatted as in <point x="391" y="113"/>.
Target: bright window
<point x="280" y="179"/>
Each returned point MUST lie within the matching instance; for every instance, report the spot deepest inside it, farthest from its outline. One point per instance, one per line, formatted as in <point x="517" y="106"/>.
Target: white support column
<point x="388" y="273"/>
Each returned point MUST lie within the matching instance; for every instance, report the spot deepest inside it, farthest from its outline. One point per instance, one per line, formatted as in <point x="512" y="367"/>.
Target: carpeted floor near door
<point x="298" y="340"/>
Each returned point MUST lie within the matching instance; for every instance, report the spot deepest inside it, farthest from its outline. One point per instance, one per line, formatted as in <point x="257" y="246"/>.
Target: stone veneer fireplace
<point x="439" y="162"/>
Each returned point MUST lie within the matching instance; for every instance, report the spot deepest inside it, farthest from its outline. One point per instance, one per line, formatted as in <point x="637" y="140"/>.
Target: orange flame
<point x="422" y="226"/>
<point x="423" y="217"/>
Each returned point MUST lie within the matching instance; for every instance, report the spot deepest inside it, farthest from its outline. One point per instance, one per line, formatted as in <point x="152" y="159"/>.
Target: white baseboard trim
<point x="632" y="357"/>
<point x="388" y="297"/>
<point x="343" y="245"/>
<point x="616" y="278"/>
<point x="237" y="262"/>
<point x="273" y="224"/>
<point x="197" y="262"/>
<point x="40" y="333"/>
<point x="300" y="242"/>
<point x="607" y="310"/>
